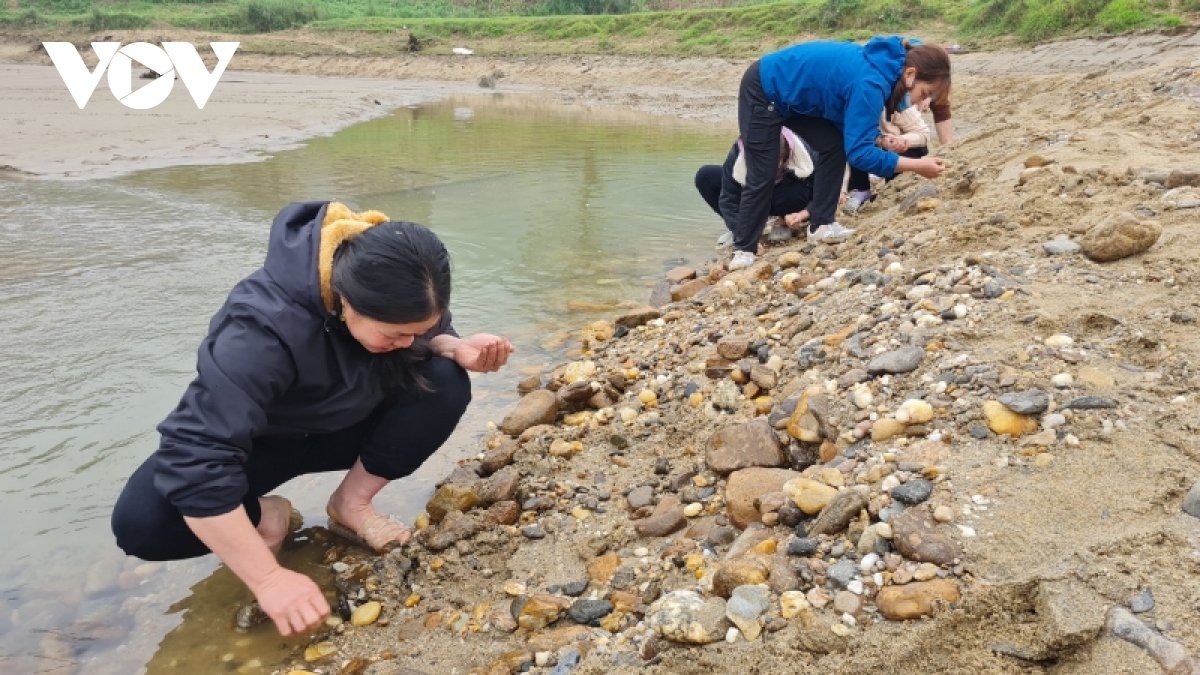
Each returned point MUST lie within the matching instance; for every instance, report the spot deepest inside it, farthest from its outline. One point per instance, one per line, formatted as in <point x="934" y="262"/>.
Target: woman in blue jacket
<point x="337" y="354"/>
<point x="831" y="94"/>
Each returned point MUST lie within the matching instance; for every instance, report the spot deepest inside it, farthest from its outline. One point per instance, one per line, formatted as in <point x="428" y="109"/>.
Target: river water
<point x="553" y="217"/>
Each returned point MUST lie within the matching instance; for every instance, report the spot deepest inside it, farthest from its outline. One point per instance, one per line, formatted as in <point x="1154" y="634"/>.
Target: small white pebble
<point x="692" y="510"/>
<point x="855" y="586"/>
<point x="1059" y="341"/>
<point x="981" y="500"/>
<point x="1062" y="380"/>
<point x="967" y="531"/>
<point x="878" y="579"/>
<point x="868" y="562"/>
<point x="1179" y="400"/>
<point x="732" y="634"/>
<point x="1071" y="440"/>
<point x="541" y="659"/>
<point x="641" y="552"/>
<point x="849" y="619"/>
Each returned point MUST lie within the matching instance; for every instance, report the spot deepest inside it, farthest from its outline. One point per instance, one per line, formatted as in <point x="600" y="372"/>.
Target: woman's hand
<point x="292" y="600"/>
<point x="929" y="167"/>
<point x="895" y="144"/>
<point x="794" y="220"/>
<point x="482" y="353"/>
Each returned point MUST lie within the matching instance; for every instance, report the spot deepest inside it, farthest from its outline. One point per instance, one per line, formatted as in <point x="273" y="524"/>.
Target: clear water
<point x="550" y="214"/>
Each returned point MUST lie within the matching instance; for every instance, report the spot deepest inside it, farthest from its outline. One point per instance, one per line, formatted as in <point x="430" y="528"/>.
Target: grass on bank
<point x="614" y="26"/>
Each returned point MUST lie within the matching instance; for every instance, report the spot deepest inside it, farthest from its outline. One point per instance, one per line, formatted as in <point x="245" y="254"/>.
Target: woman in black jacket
<point x="337" y="354"/>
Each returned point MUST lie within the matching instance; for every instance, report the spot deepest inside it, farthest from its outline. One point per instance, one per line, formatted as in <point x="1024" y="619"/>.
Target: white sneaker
<point x="725" y="240"/>
<point x="741" y="260"/>
<point x="830" y="233"/>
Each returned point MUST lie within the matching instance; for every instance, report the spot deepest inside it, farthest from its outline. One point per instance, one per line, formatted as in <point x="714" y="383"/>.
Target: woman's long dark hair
<point x="396" y="272"/>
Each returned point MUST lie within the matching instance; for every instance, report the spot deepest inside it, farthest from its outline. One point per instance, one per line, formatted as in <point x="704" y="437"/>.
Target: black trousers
<point x="759" y="122"/>
<point x="861" y="180"/>
<point x="715" y="184"/>
<point x="393" y="441"/>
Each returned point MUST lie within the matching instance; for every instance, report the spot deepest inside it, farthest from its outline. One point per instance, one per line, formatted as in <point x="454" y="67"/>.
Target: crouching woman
<point x="338" y="354"/>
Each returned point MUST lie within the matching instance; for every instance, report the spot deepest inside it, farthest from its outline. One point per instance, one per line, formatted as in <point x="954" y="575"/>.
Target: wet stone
<point x="913" y="492"/>
<point x="537" y="407"/>
<point x="1032" y="402"/>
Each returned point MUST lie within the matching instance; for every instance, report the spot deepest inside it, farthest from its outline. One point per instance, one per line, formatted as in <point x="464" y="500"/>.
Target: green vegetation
<point x="611" y="26"/>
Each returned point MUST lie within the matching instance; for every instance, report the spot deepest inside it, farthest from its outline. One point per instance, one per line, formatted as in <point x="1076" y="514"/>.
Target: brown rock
<point x="843" y="508"/>
<point x="846" y="602"/>
<point x="686" y="290"/>
<point x="597" y="331"/>
<point x="927" y="453"/>
<point x="536" y="407"/>
<point x="501" y="487"/>
<point x="754" y="535"/>
<point x="576" y="393"/>
<point x="734" y="347"/>
<point x="741" y="572"/>
<point x="917" y="537"/>
<point x="667" y="518"/>
<point x="503" y="513"/>
<point x="1034" y="161"/>
<point x="510" y="663"/>
<point x="602" y="568"/>
<point x="1183" y="178"/>
<point x="531" y="383"/>
<point x="783" y="577"/>
<point x="1119" y="236"/>
<point x="554" y="640"/>
<point x="542" y="610"/>
<point x="717" y="368"/>
<point x="680" y="275"/>
<point x="455" y="527"/>
<point x="743" y="446"/>
<point x="451" y="497"/>
<point x="915" y="600"/>
<point x="499" y="457"/>
<point x="764" y="377"/>
<point x="638" y="316"/>
<point x="747" y="485"/>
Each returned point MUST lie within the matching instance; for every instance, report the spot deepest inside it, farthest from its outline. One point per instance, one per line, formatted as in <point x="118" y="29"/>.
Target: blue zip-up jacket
<point x="274" y="363"/>
<point x="843" y="82"/>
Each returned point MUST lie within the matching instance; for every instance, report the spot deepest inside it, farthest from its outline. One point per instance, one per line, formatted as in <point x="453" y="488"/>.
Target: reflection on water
<point x="553" y="217"/>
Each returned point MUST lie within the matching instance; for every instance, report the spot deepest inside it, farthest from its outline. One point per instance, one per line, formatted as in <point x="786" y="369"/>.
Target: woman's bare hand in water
<point x="293" y="601"/>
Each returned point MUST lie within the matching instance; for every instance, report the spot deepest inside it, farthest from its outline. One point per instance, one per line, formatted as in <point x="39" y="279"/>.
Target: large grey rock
<point x="1032" y="402"/>
<point x="903" y="360"/>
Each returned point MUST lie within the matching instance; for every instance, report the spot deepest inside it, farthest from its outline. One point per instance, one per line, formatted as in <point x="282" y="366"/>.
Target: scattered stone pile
<point x="764" y="455"/>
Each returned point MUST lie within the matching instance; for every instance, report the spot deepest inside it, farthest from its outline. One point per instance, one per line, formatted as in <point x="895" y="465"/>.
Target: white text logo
<point x="171" y="58"/>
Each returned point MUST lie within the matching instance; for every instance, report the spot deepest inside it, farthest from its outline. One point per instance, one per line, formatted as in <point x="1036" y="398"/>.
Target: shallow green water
<point x="107" y="288"/>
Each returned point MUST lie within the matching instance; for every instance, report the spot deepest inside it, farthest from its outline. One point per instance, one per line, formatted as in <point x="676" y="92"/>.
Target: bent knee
<point x="450" y="383"/>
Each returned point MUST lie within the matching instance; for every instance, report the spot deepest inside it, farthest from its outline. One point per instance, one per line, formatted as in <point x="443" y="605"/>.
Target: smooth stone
<point x="684" y="616"/>
<point x="887" y="428"/>
<point x="745" y="607"/>
<point x="746" y="486"/>
<point x="498" y="457"/>
<point x="1003" y="421"/>
<point x="638" y="316"/>
<point x="731" y="574"/>
<point x="589" y="612"/>
<point x="804" y="546"/>
<point x="903" y="360"/>
<point x="811" y="496"/>
<point x="533" y="532"/>
<point x="1142" y="602"/>
<point x="843" y="508"/>
<point x="667" y="518"/>
<point x="541" y="610"/>
<point x="451" y="497"/>
<point x="1120" y="236"/>
<point x="745" y="445"/>
<point x="845" y="602"/>
<point x="366" y="614"/>
<point x="1031" y="402"/>
<point x="917" y="537"/>
<point x="1060" y="247"/>
<point x="793" y="604"/>
<point x="915" y="600"/>
<point x="536" y="407"/>
<point x="913" y="492"/>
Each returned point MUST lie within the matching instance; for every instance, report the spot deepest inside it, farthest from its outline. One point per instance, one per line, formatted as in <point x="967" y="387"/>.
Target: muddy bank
<point x="977" y="411"/>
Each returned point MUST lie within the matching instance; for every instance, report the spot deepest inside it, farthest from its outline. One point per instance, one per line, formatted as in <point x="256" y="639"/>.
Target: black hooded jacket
<point x="274" y="363"/>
